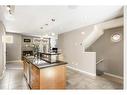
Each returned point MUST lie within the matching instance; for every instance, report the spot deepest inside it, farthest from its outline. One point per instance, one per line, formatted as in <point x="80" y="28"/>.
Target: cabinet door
<point x="25" y="67"/>
<point x="53" y="77"/>
<point x="35" y="77"/>
<point x="27" y="71"/>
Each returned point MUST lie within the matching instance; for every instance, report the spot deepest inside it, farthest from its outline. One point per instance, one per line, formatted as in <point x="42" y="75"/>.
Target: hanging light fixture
<point x="10" y="9"/>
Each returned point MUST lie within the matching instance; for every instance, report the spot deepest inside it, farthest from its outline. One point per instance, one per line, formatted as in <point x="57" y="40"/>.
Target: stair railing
<point x="100" y="61"/>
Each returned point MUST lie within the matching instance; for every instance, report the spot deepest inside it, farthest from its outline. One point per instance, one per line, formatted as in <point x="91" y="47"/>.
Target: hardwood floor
<point x="14" y="79"/>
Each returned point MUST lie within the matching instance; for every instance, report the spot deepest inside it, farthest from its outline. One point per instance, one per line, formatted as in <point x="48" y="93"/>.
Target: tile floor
<point x="77" y="80"/>
<point x="14" y="79"/>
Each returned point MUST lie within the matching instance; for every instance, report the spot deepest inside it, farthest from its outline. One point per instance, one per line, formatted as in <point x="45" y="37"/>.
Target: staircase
<point x="99" y="72"/>
<point x="96" y="32"/>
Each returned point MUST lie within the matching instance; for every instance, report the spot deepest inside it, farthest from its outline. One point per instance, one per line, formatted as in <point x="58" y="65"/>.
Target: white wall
<point x="85" y="63"/>
<point x="2" y="51"/>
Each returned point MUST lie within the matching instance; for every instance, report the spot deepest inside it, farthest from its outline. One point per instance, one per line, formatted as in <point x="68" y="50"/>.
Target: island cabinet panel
<point x="35" y="77"/>
<point x="53" y="77"/>
<point x="27" y="72"/>
<point x="45" y="75"/>
<point x="25" y="68"/>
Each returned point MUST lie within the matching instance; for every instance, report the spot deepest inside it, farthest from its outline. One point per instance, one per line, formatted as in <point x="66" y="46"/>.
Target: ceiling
<point x="27" y="20"/>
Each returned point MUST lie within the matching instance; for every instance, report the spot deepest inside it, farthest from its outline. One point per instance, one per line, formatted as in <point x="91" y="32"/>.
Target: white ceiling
<point x="28" y="19"/>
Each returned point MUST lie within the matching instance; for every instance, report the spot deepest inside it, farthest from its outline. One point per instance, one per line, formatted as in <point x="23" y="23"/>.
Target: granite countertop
<point x="40" y="63"/>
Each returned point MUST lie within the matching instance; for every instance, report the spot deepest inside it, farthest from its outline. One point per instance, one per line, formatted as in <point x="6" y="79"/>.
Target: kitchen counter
<point x="41" y="74"/>
<point x="40" y="63"/>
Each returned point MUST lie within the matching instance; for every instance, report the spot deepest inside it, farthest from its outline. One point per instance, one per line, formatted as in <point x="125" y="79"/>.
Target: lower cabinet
<point x="26" y="66"/>
<point x="35" y="77"/>
<point x="53" y="77"/>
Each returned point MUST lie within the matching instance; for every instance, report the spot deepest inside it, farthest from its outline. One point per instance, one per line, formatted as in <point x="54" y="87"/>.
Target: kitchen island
<point x="41" y="74"/>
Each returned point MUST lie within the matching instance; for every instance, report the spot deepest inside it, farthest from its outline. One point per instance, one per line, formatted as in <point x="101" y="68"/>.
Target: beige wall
<point x="73" y="52"/>
<point x="14" y="49"/>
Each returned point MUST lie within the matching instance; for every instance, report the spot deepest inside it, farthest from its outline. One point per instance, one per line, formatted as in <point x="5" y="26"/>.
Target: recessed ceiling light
<point x="41" y="38"/>
<point x="41" y="27"/>
<point x="72" y="6"/>
<point x="46" y="24"/>
<point x="52" y="34"/>
<point x="46" y="35"/>
<point x="53" y="20"/>
<point x="8" y="7"/>
<point x="82" y="33"/>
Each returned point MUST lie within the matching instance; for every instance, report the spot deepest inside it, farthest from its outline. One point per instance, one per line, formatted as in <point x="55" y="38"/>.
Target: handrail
<point x="100" y="61"/>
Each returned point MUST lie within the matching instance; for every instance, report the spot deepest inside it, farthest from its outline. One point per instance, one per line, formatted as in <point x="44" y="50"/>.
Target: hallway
<point x="14" y="78"/>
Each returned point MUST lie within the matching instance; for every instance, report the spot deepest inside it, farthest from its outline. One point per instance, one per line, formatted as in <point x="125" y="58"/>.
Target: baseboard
<point x="82" y="71"/>
<point x="14" y="61"/>
<point x="112" y="75"/>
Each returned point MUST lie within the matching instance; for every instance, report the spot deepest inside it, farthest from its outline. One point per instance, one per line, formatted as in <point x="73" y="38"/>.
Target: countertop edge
<point x="50" y="64"/>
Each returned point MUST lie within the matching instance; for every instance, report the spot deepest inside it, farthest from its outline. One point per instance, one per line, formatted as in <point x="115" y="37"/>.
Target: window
<point x="116" y="37"/>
